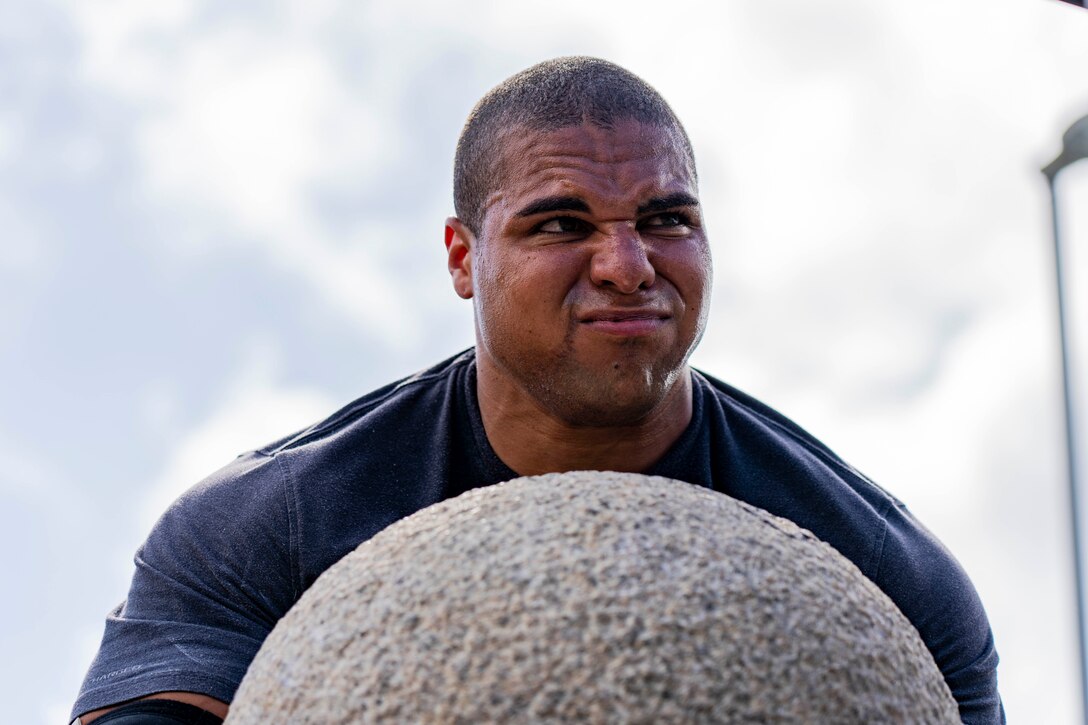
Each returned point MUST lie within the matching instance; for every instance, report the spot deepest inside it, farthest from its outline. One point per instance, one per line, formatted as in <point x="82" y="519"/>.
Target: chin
<point x="600" y="414"/>
<point x="596" y="402"/>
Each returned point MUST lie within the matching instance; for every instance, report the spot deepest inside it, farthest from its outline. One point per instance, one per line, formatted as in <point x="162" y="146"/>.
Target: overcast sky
<point x="219" y="222"/>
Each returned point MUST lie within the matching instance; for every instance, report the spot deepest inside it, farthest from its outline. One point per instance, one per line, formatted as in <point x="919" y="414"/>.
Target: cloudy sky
<point x="219" y="222"/>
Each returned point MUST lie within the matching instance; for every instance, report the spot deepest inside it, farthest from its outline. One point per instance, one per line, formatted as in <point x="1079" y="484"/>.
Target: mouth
<point x="625" y="323"/>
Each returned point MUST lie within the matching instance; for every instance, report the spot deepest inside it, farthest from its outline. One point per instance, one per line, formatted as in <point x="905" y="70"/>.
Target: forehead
<point x="607" y="167"/>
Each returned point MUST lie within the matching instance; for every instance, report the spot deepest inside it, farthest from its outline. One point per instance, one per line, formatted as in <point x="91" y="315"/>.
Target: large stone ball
<point x="593" y="597"/>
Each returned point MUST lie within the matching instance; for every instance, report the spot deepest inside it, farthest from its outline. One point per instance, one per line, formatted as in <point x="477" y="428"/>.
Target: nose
<point x="621" y="263"/>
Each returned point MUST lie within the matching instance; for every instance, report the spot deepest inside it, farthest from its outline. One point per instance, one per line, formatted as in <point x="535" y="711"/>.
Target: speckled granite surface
<point x="593" y="597"/>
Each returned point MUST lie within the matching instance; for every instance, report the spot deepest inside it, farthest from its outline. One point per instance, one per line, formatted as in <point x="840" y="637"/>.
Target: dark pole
<point x="1070" y="446"/>
<point x="1074" y="148"/>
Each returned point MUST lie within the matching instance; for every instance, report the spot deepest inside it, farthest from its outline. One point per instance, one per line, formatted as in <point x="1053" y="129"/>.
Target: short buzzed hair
<point x="548" y="96"/>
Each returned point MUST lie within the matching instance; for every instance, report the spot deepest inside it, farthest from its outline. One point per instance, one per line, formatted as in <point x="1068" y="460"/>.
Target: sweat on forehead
<point x="552" y="95"/>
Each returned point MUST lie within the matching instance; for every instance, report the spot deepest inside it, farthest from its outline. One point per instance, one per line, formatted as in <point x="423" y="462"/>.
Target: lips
<point x="625" y="322"/>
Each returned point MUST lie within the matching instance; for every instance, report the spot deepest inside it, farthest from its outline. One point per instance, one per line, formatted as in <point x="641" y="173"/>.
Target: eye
<point x="563" y="225"/>
<point x="669" y="222"/>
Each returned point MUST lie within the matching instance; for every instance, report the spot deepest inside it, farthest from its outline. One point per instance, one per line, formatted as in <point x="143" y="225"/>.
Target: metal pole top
<point x="1074" y="148"/>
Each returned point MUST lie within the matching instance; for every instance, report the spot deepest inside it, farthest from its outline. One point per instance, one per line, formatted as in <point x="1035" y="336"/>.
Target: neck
<point x="532" y="441"/>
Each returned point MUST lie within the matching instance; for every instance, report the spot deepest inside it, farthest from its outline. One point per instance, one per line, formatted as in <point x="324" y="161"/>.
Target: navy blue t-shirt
<point x="234" y="553"/>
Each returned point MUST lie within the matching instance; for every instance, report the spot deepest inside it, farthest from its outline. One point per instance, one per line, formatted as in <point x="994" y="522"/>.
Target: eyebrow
<point x="573" y="203"/>
<point x="668" y="202"/>
<point x="554" y="203"/>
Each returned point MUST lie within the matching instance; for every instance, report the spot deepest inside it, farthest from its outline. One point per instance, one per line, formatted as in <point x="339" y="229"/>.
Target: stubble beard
<point x="623" y="393"/>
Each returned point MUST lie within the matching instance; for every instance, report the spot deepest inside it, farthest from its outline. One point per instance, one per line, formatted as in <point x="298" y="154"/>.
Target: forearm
<point x="164" y="708"/>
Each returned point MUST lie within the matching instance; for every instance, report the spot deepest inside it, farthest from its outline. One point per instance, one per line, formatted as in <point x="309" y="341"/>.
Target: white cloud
<point x="24" y="252"/>
<point x="7" y="138"/>
<point x="250" y="124"/>
<point x="255" y="410"/>
<point x="118" y="39"/>
<point x="158" y="407"/>
<point x="241" y="126"/>
<point x="252" y="127"/>
<point x="27" y="476"/>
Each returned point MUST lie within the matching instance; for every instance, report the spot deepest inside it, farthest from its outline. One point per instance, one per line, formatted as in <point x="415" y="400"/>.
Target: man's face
<point x="591" y="273"/>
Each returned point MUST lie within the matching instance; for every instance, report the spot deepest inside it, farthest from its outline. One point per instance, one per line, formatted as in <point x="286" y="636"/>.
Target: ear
<point x="459" y="244"/>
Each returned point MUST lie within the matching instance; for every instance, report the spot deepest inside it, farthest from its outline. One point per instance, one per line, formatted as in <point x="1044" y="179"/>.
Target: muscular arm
<point x="214" y="576"/>
<point x="932" y="590"/>
<point x="215" y="707"/>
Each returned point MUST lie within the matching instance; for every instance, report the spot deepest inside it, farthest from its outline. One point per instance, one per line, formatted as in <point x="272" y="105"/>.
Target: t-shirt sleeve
<point x="214" y="576"/>
<point x="931" y="588"/>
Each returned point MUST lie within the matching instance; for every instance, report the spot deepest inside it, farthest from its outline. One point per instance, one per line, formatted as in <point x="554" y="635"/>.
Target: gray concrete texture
<point x="593" y="597"/>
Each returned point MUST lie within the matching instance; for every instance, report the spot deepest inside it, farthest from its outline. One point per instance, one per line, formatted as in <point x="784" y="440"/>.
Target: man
<point x="579" y="238"/>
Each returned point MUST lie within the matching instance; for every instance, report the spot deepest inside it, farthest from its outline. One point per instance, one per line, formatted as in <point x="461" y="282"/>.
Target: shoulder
<point x="426" y="386"/>
<point x="257" y="497"/>
<point x="250" y="506"/>
<point x="210" y="581"/>
<point x="236" y="520"/>
<point x="766" y="433"/>
<point x="780" y="467"/>
<point x="932" y="589"/>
